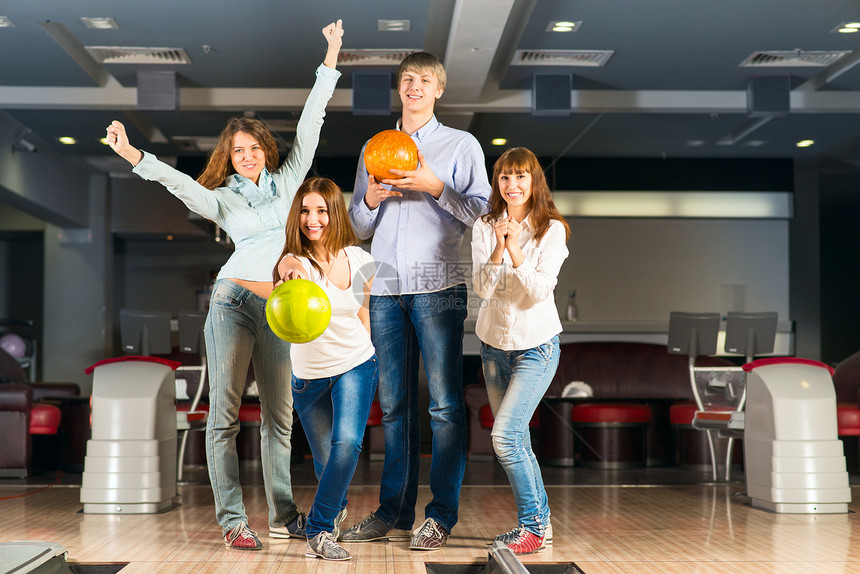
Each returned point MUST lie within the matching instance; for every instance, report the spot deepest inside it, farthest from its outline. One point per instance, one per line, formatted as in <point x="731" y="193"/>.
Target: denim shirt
<point x="254" y="216"/>
<point x="416" y="237"/>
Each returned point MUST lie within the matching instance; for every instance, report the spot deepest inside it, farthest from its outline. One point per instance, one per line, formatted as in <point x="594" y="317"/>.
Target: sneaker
<point x="241" y="537"/>
<point x="295" y="528"/>
<point x="511" y="535"/>
<point x="372" y="528"/>
<point x="323" y="546"/>
<point x="341" y="516"/>
<point x="526" y="543"/>
<point x="429" y="536"/>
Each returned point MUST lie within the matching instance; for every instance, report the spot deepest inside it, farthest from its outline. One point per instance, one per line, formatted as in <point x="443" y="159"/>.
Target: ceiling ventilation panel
<point x="137" y="55"/>
<point x="589" y="58"/>
<point x="792" y="59"/>
<point x="372" y="57"/>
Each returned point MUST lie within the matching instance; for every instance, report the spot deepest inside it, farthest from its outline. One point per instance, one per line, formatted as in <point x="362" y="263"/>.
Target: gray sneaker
<point x="372" y="528"/>
<point x="429" y="536"/>
<point x="323" y="546"/>
<point x="341" y="516"/>
<point x="295" y="528"/>
<point x="509" y="537"/>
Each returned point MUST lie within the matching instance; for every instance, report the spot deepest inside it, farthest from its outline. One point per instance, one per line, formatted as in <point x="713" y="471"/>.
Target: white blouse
<point x="519" y="309"/>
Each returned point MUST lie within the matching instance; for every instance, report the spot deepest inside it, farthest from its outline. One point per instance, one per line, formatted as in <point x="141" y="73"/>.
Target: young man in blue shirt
<point x="418" y="304"/>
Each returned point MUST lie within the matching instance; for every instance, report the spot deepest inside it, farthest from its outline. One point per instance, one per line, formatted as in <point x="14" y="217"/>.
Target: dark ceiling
<point x="673" y="85"/>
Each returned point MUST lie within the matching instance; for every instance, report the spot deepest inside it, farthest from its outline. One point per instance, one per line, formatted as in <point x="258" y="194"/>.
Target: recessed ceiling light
<point x="67" y="140"/>
<point x="393" y="25"/>
<point x="846" y="28"/>
<point x="5" y="22"/>
<point x="804" y="143"/>
<point x="499" y="141"/>
<point x="563" y="26"/>
<point x="100" y="23"/>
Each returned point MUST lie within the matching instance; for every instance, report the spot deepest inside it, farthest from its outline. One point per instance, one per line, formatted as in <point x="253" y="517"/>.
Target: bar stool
<point x="692" y="444"/>
<point x="613" y="434"/>
<point x="248" y="439"/>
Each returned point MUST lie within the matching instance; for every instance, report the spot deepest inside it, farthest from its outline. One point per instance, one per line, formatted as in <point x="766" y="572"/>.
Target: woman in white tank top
<point x="335" y="375"/>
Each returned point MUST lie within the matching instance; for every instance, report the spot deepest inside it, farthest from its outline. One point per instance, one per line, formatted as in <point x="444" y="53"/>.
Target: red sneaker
<point x="242" y="538"/>
<point x="526" y="543"/>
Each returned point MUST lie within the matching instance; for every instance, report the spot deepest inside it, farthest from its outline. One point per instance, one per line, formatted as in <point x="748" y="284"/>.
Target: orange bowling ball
<point x="390" y="149"/>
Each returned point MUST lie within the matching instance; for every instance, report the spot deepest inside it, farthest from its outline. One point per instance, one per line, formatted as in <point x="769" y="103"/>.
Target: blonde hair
<point x="543" y="209"/>
<point x="219" y="165"/>
<point x="339" y="233"/>
<point x="420" y="62"/>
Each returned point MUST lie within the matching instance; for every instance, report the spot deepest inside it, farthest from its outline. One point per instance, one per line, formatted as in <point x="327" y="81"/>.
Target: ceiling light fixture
<point x="393" y="25"/>
<point x="499" y="141"/>
<point x="846" y="28"/>
<point x="564" y="26"/>
<point x="66" y="140"/>
<point x="804" y="143"/>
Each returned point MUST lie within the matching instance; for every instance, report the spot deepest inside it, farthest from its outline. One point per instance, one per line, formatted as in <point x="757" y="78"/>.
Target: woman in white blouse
<point x="335" y="375"/>
<point x="517" y="251"/>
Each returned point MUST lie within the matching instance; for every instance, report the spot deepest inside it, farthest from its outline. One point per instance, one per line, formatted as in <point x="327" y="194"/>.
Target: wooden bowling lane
<point x="603" y="529"/>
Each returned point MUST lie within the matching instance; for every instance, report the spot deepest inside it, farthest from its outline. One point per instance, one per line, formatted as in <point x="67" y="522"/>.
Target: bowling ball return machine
<point x="130" y="463"/>
<point x="784" y="408"/>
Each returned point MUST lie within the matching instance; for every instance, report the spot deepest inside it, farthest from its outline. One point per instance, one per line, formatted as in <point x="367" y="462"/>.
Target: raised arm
<point x="118" y="141"/>
<point x="333" y="34"/>
<point x="295" y="167"/>
<point x="195" y="197"/>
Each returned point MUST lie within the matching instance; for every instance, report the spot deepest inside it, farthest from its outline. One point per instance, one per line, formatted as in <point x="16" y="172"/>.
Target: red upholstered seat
<point x="848" y="419"/>
<point x="44" y="419"/>
<point x="486" y="417"/>
<point x="375" y="417"/>
<point x="250" y="412"/>
<point x="628" y="413"/>
<point x="682" y="413"/>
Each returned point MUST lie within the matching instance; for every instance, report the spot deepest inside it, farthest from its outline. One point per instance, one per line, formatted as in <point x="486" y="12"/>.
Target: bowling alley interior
<point x="704" y="416"/>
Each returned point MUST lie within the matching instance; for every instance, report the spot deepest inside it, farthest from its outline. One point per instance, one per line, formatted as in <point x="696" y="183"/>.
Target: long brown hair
<point x="339" y="233"/>
<point x="219" y="165"/>
<point x="543" y="211"/>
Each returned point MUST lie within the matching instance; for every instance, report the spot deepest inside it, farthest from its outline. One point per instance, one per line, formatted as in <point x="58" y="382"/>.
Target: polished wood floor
<point x="648" y="521"/>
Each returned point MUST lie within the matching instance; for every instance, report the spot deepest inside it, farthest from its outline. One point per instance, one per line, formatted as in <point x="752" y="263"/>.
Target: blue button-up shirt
<point x="416" y="237"/>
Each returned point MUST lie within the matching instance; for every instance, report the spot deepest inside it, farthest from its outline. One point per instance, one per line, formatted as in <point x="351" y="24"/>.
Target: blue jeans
<point x="516" y="382"/>
<point x="400" y="326"/>
<point x="237" y="333"/>
<point x="334" y="412"/>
